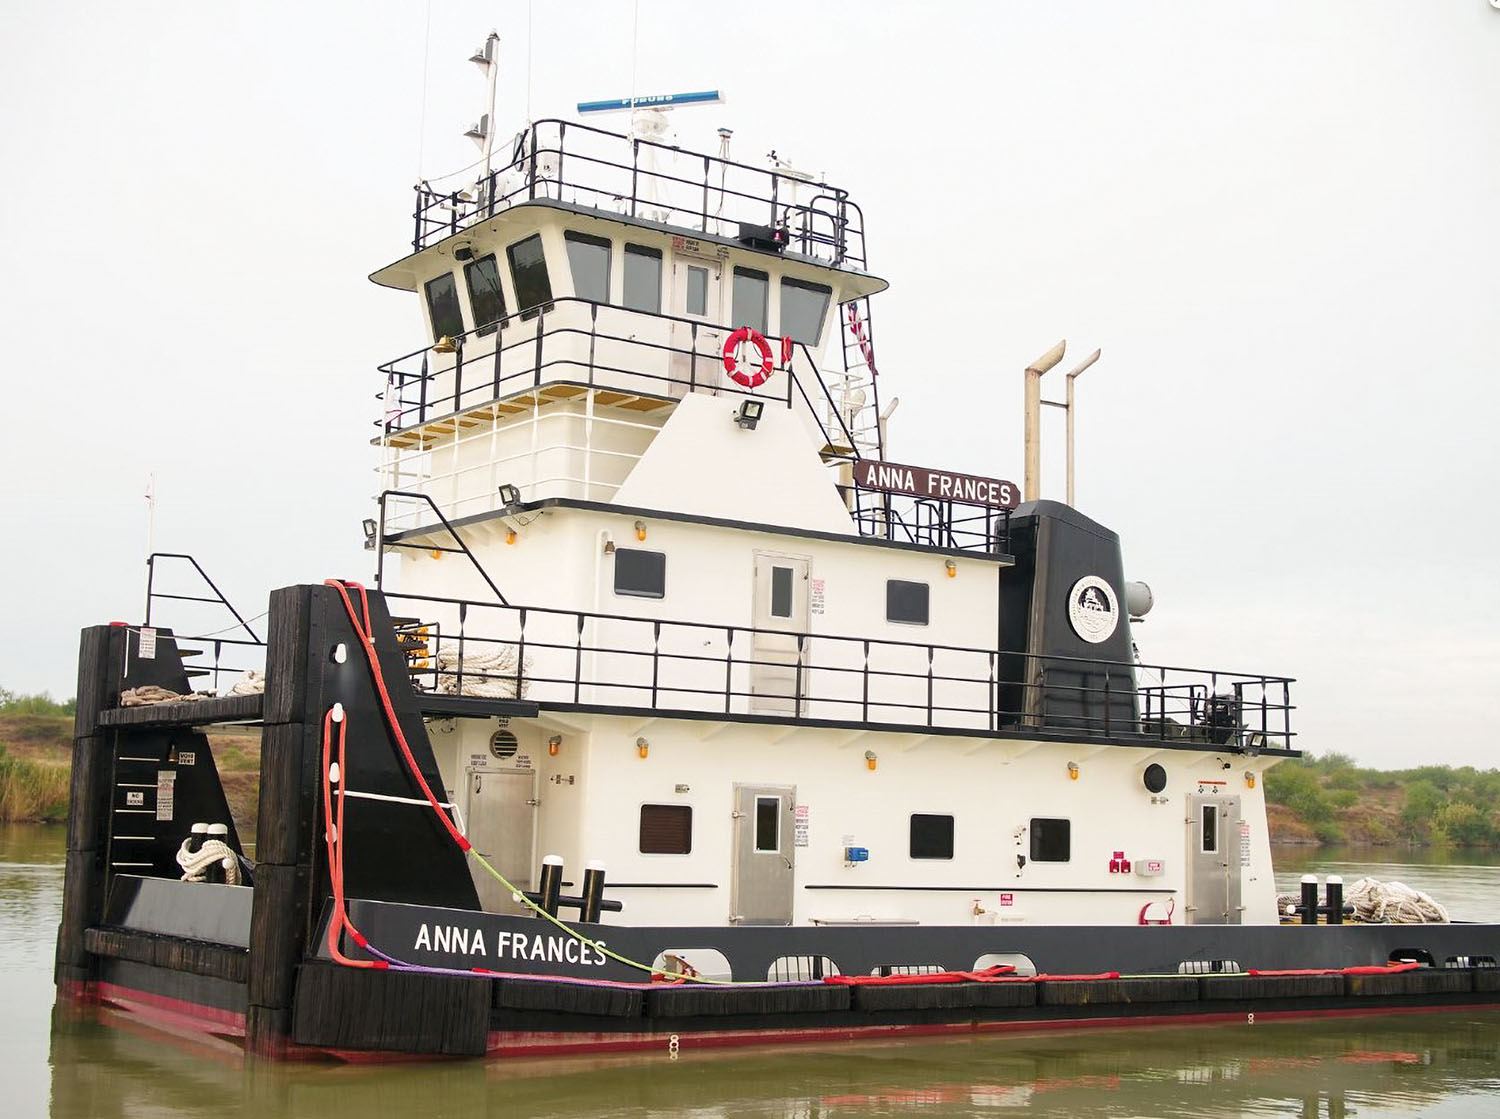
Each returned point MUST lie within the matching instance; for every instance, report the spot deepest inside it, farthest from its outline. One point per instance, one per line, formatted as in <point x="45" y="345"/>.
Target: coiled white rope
<point x="195" y="864"/>
<point x="1393" y="903"/>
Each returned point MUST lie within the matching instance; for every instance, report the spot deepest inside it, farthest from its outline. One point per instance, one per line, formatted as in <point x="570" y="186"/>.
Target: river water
<point x="1405" y="1064"/>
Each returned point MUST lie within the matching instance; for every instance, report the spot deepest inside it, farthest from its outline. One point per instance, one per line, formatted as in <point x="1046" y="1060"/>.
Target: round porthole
<point x="1155" y="778"/>
<point x="503" y="743"/>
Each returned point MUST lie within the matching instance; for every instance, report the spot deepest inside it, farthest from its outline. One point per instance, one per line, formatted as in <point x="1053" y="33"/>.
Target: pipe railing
<point x="649" y="181"/>
<point x="610" y="661"/>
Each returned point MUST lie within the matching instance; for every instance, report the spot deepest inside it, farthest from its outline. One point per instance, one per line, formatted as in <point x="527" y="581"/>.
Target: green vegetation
<point x="32" y="792"/>
<point x="40" y="704"/>
<point x="35" y="734"/>
<point x="36" y="749"/>
<point x="1331" y="799"/>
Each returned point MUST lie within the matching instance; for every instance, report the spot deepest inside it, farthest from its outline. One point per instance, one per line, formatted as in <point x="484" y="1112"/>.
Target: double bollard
<point x="1308" y="909"/>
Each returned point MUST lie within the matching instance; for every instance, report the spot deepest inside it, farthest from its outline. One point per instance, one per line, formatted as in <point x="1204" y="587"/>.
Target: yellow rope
<point x="594" y="944"/>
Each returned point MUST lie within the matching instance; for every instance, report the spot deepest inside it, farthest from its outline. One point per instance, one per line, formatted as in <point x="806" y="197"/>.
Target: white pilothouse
<point x="635" y="476"/>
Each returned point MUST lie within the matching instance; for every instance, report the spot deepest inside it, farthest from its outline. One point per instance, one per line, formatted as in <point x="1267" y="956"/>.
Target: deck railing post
<point x="864" y="706"/>
<point x="728" y="668"/>
<point x="655" y="659"/>
<point x="578" y="664"/>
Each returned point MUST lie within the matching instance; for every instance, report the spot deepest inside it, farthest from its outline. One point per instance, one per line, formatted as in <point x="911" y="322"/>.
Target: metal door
<point x="697" y="346"/>
<point x="1213" y="859"/>
<point x="502" y="827"/>
<point x="764" y="855"/>
<point x="779" y="647"/>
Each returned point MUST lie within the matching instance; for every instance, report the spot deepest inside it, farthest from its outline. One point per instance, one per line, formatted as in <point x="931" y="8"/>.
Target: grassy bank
<point x="36" y="745"/>
<point x="1331" y="799"/>
<point x="35" y="735"/>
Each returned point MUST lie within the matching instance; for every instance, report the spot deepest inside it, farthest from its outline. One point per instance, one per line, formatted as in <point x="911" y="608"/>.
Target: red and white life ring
<point x="731" y="363"/>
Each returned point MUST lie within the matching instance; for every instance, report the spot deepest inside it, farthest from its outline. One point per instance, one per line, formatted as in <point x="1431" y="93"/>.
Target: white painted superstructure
<point x="767" y="692"/>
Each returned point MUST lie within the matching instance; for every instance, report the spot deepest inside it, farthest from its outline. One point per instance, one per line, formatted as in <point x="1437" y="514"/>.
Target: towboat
<point x="677" y="714"/>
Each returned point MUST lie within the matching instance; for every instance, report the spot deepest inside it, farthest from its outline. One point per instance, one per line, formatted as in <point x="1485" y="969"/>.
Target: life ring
<point x="732" y="366"/>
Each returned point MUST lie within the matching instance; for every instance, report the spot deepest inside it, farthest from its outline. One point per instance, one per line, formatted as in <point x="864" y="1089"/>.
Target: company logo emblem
<point x="1093" y="609"/>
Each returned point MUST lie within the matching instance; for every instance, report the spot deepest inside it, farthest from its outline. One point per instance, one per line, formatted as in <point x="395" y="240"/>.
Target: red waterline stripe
<point x="128" y="998"/>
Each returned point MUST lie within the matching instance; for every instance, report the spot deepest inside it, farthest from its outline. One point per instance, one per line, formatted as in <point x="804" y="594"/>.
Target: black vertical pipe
<point x="1308" y="910"/>
<point x="1335" y="896"/>
<point x="593" y="892"/>
<point x="551" y="882"/>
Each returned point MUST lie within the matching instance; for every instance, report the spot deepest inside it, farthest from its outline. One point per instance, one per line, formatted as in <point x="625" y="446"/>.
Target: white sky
<point x="1279" y="220"/>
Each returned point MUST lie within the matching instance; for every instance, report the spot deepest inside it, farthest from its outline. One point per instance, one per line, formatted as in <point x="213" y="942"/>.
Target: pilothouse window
<point x="442" y="306"/>
<point x="528" y="272"/>
<point x="643" y="279"/>
<point x="803" y="306"/>
<point x="588" y="257"/>
<point x="485" y="296"/>
<point x="750" y="294"/>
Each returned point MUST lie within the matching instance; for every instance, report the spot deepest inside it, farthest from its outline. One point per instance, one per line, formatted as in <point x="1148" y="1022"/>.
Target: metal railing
<point x="650" y="181"/>
<point x="611" y="661"/>
<point x="245" y="647"/>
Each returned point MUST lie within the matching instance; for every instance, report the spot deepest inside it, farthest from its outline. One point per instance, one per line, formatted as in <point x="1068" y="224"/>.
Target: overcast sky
<point x="1279" y="221"/>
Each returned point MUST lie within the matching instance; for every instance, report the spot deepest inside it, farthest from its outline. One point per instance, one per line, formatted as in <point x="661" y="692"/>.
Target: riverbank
<point x="36" y="751"/>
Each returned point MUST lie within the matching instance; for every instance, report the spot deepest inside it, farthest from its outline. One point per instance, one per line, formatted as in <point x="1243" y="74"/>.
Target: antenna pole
<point x="150" y="513"/>
<point x="492" y="70"/>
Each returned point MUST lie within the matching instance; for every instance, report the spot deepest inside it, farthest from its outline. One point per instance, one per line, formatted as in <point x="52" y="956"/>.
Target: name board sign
<point x="939" y="485"/>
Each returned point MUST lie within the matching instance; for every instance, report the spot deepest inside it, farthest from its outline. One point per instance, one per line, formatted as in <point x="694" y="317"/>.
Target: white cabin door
<point x="697" y="357"/>
<point x="501" y="818"/>
<point x="1213" y="883"/>
<point x="779" y="646"/>
<point x="762" y="883"/>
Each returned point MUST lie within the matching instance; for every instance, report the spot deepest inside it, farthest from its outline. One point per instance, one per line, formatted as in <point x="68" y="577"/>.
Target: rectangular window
<point x="906" y="602"/>
<point x="751" y="289"/>
<point x="768" y="823"/>
<point x="1051" y="840"/>
<point x="803" y="306"/>
<point x="485" y="296"/>
<point x="528" y="272"/>
<point x="781" y="592"/>
<point x="697" y="291"/>
<point x="931" y="836"/>
<point x="1210" y="828"/>
<point x="643" y="279"/>
<point x="666" y="829"/>
<point x="588" y="257"/>
<point x="442" y="305"/>
<point x="640" y="574"/>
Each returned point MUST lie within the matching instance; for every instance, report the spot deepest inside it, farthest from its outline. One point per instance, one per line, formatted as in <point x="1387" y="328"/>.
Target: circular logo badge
<point x="1093" y="609"/>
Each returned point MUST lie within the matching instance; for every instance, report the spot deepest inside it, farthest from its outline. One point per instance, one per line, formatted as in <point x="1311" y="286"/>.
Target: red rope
<point x="378" y="678"/>
<point x="333" y="835"/>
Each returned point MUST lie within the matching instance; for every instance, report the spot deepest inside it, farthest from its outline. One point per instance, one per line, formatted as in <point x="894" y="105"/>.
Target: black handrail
<point x="218" y="598"/>
<point x="440" y="214"/>
<point x="1043" y="682"/>
<point x="381" y="543"/>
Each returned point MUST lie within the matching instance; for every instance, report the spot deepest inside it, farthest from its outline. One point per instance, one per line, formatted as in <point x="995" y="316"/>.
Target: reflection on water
<point x="1406" y="1064"/>
<point x="1400" y="1065"/>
